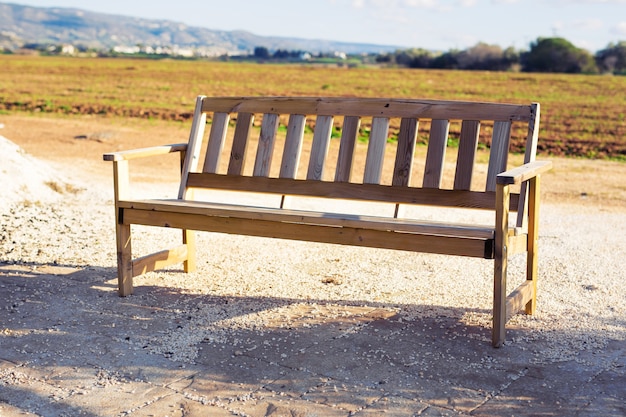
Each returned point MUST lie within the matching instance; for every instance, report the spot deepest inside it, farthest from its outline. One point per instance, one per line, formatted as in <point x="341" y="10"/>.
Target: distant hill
<point x="20" y="25"/>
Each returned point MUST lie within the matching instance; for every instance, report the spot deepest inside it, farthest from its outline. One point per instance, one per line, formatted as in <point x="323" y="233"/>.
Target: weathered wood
<point x="144" y="152"/>
<point x="437" y="143"/>
<point x="124" y="260"/>
<point x="121" y="181"/>
<point x="448" y="245"/>
<point x="404" y="154"/>
<point x="189" y="241"/>
<point x="524" y="172"/>
<point x="349" y="134"/>
<point x="468" y="143"/>
<point x="365" y="192"/>
<point x="376" y="150"/>
<point x="159" y="260"/>
<point x="293" y="146"/>
<point x="519" y="298"/>
<point x="498" y="334"/>
<point x="363" y="107"/>
<point x="217" y="137"/>
<point x="529" y="156"/>
<point x="122" y="231"/>
<point x="518" y="243"/>
<point x="533" y="241"/>
<point x="240" y="143"/>
<point x="313" y="217"/>
<point x="265" y="149"/>
<point x="319" y="149"/>
<point x="403" y="167"/>
<point x="499" y="153"/>
<point x="192" y="153"/>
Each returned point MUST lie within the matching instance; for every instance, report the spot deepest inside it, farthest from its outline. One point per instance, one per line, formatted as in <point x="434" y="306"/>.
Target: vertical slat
<point x="498" y="333"/>
<point x="293" y="146"/>
<point x="193" y="149"/>
<point x="468" y="142"/>
<point x="499" y="153"/>
<point x="376" y="150"/>
<point x="265" y="150"/>
<point x="529" y="156"/>
<point x="349" y="134"/>
<point x="319" y="149"/>
<point x="437" y="142"/>
<point x="217" y="137"/>
<point x="404" y="155"/>
<point x="405" y="151"/>
<point x="240" y="143"/>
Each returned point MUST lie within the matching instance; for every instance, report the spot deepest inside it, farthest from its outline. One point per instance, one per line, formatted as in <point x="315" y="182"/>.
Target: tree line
<point x="544" y="55"/>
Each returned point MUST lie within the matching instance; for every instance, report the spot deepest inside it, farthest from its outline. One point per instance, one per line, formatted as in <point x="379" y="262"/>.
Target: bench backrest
<point x="269" y="134"/>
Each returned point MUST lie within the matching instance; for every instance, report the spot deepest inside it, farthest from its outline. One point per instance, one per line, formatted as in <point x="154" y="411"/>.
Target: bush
<point x="612" y="59"/>
<point x="557" y="55"/>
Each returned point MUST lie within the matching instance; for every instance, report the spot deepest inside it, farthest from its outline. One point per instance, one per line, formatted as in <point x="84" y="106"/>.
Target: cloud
<point x="589" y="1"/>
<point x="437" y="5"/>
<point x="587" y="24"/>
<point x="619" y="29"/>
<point x="421" y="3"/>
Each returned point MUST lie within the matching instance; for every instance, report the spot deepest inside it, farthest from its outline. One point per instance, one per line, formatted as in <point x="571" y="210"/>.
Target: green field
<point x="582" y="115"/>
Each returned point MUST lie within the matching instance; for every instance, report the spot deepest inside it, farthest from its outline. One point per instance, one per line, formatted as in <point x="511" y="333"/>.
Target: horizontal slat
<point x="524" y="172"/>
<point x="314" y="233"/>
<point x="338" y="106"/>
<point x="312" y="217"/>
<point x="159" y="260"/>
<point x="345" y="190"/>
<point x="518" y="243"/>
<point x="518" y="299"/>
<point x="144" y="152"/>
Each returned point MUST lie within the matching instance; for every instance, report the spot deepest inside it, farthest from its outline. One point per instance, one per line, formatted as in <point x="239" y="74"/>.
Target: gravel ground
<point x="581" y="288"/>
<point x="275" y="328"/>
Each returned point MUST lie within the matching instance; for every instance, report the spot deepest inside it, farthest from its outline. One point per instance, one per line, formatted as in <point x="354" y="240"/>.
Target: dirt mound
<point x="26" y="179"/>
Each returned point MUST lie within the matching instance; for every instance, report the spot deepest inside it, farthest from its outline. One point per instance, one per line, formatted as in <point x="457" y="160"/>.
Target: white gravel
<point x="46" y="219"/>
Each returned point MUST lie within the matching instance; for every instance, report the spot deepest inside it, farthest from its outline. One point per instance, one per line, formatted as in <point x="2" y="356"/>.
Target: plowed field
<point x="582" y="115"/>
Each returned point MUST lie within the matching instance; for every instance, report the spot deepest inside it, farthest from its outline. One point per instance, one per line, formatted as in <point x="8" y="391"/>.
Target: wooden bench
<point x="255" y="144"/>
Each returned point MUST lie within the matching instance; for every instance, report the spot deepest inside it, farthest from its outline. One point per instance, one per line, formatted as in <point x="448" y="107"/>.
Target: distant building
<point x="68" y="49"/>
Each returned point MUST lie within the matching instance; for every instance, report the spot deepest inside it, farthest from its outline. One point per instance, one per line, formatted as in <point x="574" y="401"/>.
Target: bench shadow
<point x="65" y="325"/>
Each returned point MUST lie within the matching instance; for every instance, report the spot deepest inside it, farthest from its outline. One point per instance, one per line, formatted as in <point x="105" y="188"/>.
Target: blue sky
<point x="431" y="24"/>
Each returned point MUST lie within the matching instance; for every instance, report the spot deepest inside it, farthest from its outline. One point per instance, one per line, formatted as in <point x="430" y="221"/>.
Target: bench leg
<point x="498" y="333"/>
<point x="533" y="236"/>
<point x="124" y="260"/>
<point x="189" y="239"/>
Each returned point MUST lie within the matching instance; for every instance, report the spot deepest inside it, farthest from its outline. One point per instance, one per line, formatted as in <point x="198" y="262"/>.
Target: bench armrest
<point x="523" y="172"/>
<point x="145" y="152"/>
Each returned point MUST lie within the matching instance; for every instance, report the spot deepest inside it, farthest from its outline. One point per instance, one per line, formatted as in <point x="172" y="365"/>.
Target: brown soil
<point x="80" y="141"/>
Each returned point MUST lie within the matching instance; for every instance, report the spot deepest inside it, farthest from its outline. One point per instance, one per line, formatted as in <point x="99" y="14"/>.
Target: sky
<point x="440" y="25"/>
